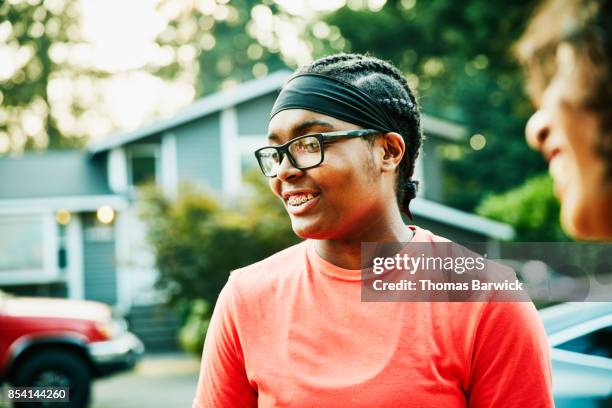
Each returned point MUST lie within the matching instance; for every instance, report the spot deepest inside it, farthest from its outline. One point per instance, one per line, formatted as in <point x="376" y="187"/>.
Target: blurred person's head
<point x="362" y="182"/>
<point x="567" y="54"/>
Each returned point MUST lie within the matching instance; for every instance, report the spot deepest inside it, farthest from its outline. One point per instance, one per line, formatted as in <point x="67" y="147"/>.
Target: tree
<point x="34" y="36"/>
<point x="226" y="42"/>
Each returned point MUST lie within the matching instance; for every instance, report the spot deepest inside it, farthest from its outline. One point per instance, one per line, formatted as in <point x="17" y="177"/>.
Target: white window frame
<point x="169" y="166"/>
<point x="230" y="156"/>
<point x="117" y="170"/>
<point x="50" y="271"/>
<point x="247" y="144"/>
<point x="153" y="149"/>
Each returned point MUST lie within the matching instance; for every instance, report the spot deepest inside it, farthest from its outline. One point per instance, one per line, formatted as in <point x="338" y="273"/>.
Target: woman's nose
<point x="537" y="129"/>
<point x="286" y="169"/>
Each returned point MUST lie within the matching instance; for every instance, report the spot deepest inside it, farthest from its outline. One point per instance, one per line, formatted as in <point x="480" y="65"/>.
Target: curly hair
<point x="385" y="84"/>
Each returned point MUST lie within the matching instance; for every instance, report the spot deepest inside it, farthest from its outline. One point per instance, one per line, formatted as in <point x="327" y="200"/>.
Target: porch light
<point x="105" y="214"/>
<point x="63" y="217"/>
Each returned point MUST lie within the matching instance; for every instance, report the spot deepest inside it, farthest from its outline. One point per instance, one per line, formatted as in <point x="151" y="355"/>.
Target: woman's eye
<point x="306" y="147"/>
<point x="312" y="147"/>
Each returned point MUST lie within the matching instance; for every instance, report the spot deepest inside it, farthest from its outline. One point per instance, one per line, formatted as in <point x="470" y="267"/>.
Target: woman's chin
<point x="586" y="219"/>
<point x="578" y="219"/>
<point x="309" y="229"/>
<point x="305" y="232"/>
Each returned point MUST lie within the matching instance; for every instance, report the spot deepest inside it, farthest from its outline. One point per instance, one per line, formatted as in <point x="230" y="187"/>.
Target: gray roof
<point x="237" y="95"/>
<point x="443" y="128"/>
<point x="52" y="174"/>
<point x="201" y="107"/>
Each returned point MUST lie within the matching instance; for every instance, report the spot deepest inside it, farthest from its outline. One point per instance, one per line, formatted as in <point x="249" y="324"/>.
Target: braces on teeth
<point x="299" y="199"/>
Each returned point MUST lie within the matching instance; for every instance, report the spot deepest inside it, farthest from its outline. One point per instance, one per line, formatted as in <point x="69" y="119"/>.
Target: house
<point x="68" y="220"/>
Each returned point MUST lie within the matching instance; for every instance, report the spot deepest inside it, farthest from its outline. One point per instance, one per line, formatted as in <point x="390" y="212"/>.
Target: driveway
<point x="159" y="381"/>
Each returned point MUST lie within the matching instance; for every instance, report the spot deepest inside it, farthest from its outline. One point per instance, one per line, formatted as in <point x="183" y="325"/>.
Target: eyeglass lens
<point x="305" y="152"/>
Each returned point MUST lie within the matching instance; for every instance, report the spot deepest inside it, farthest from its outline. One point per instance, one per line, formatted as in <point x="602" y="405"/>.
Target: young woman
<point x="567" y="50"/>
<point x="291" y="330"/>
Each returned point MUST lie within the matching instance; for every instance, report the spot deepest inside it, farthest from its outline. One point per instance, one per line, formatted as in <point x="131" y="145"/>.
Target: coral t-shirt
<point x="291" y="331"/>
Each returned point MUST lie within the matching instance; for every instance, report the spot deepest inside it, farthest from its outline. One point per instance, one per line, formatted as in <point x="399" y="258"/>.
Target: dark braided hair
<point x="386" y="84"/>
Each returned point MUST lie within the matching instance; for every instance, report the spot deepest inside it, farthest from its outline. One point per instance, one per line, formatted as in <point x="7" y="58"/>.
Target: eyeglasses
<point x="304" y="152"/>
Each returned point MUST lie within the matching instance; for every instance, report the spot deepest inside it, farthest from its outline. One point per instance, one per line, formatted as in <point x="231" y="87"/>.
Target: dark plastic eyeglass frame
<point x="323" y="138"/>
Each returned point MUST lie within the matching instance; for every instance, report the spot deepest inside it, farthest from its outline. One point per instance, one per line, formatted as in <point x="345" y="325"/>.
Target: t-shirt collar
<point x="333" y="271"/>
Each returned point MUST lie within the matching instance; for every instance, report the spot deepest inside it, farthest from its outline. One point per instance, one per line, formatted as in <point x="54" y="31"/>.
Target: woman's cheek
<point x="274" y="185"/>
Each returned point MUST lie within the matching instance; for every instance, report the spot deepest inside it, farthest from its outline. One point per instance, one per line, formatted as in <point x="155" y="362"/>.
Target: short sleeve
<point x="223" y="381"/>
<point x="510" y="362"/>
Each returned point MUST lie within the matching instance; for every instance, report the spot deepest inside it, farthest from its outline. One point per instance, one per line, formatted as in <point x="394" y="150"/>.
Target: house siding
<point x="52" y="174"/>
<point x="198" y="148"/>
<point x="253" y="115"/>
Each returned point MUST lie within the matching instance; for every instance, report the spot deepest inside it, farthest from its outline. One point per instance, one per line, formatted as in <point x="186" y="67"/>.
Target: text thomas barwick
<point x="428" y="285"/>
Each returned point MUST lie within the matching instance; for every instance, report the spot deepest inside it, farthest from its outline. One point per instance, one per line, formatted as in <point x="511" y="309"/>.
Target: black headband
<point x="335" y="98"/>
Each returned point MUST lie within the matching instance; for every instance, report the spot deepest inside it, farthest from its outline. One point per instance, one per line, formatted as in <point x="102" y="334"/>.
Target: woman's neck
<point x="346" y="252"/>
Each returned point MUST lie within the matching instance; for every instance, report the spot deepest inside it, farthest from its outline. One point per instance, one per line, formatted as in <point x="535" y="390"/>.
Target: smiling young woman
<point x="292" y="331"/>
<point x="567" y="53"/>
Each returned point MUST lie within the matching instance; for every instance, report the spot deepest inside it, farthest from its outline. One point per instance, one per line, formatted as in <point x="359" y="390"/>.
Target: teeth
<point x="299" y="198"/>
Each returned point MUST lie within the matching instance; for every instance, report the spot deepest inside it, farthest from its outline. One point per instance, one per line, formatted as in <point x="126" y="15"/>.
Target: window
<point x="143" y="164"/>
<point x="28" y="248"/>
<point x="21" y="243"/>
<point x="596" y="343"/>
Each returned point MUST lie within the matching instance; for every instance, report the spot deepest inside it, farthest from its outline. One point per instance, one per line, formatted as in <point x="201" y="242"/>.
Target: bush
<point x="198" y="240"/>
<point x="191" y="334"/>
<point x="532" y="209"/>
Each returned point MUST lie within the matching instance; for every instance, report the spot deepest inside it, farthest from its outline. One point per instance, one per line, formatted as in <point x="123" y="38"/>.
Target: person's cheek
<point x="275" y="186"/>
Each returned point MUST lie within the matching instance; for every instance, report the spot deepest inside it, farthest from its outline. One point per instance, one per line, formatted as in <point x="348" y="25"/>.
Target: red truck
<point x="48" y="342"/>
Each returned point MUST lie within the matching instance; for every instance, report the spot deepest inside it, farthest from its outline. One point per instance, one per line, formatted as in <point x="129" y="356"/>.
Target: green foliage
<point x="191" y="334"/>
<point x="222" y="37"/>
<point x="197" y="241"/>
<point x="32" y="28"/>
<point x="532" y="209"/>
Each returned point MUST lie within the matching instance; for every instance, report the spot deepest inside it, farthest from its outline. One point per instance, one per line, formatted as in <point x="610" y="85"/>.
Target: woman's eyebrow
<point x="301" y="129"/>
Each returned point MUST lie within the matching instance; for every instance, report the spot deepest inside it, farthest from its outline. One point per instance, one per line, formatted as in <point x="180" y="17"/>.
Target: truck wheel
<point x="56" y="368"/>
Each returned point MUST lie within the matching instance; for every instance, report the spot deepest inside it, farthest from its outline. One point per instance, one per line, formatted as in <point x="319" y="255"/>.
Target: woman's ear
<point x="393" y="148"/>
